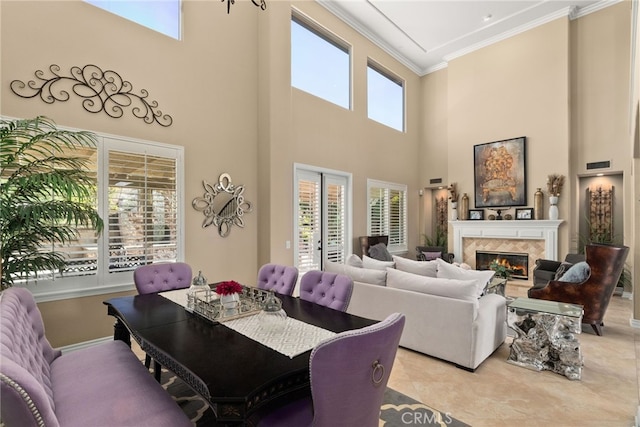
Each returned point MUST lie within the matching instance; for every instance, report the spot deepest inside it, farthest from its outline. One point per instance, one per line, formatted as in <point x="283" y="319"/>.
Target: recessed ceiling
<point x="426" y="34"/>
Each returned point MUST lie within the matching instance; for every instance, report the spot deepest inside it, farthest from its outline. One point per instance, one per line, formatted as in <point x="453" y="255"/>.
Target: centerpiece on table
<point x="229" y="292"/>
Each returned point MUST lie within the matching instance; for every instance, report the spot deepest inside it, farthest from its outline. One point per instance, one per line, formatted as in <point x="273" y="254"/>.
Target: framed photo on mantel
<point x="476" y="214"/>
<point x="500" y="173"/>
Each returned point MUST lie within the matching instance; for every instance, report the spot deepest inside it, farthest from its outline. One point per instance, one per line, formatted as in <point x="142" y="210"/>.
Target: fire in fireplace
<point x="517" y="262"/>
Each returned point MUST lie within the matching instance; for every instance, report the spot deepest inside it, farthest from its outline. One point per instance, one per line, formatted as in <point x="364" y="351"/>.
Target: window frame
<point x="395" y="79"/>
<point x="102" y="282"/>
<point x="387" y="187"/>
<point x="330" y="38"/>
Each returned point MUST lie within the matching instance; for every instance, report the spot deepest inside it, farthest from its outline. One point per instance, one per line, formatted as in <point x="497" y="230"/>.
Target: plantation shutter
<point x="378" y="212"/>
<point x="308" y="223"/>
<point x="142" y="210"/>
<point x="335" y="231"/>
<point x="82" y="253"/>
<point x="387" y="215"/>
<point x="397" y="218"/>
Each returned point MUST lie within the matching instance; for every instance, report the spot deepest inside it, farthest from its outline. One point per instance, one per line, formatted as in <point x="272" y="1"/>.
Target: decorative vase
<point x="538" y="204"/>
<point x="553" y="208"/>
<point x="454" y="211"/>
<point x="464" y="207"/>
<point x="230" y="302"/>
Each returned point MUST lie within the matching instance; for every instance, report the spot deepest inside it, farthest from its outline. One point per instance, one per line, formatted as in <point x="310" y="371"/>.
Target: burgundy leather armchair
<point x="606" y="263"/>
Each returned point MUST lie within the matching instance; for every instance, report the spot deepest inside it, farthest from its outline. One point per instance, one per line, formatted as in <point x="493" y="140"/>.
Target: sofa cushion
<point x="577" y="273"/>
<point x="364" y="275"/>
<point x="423" y="268"/>
<point x="375" y="264"/>
<point x="430" y="256"/>
<point x="450" y="288"/>
<point x="354" y="260"/>
<point x="449" y="271"/>
<point x="380" y="252"/>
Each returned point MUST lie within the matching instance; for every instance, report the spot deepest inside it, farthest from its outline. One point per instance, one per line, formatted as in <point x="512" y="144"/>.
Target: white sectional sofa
<point x="447" y="314"/>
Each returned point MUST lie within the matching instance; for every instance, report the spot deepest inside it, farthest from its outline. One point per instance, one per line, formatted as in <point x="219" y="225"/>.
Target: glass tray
<point x="207" y="304"/>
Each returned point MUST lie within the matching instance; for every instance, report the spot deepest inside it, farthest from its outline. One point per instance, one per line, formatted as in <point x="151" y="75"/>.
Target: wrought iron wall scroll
<point x="600" y="214"/>
<point x="102" y="90"/>
<point x="222" y="204"/>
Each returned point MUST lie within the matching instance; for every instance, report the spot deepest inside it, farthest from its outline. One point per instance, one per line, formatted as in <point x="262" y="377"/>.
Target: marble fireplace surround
<point x="538" y="238"/>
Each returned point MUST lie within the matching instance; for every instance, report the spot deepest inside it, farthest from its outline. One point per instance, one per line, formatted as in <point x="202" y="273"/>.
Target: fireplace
<point x="517" y="262"/>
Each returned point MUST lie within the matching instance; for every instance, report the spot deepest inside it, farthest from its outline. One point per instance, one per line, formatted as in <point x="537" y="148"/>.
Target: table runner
<point x="287" y="336"/>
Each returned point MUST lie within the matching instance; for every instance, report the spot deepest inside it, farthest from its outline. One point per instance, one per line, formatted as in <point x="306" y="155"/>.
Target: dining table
<point x="234" y="373"/>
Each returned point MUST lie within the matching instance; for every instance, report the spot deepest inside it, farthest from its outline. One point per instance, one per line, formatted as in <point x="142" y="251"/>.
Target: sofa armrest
<point x="547" y="265"/>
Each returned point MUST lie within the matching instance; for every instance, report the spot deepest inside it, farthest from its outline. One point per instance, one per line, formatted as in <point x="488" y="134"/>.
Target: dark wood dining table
<point x="233" y="373"/>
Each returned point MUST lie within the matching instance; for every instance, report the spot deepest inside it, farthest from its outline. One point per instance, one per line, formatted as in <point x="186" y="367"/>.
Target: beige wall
<point x="207" y="82"/>
<point x="227" y="86"/>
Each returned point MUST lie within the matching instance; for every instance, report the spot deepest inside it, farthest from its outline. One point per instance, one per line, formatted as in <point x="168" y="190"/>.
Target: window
<point x="387" y="213"/>
<point x="385" y="97"/>
<point x="320" y="63"/>
<point x="159" y="15"/>
<point x="139" y="192"/>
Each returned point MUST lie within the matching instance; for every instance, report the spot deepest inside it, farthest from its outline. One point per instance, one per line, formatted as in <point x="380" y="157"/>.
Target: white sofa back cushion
<point x="449" y="271"/>
<point x="365" y="275"/>
<point x="368" y="262"/>
<point x="354" y="261"/>
<point x="423" y="268"/>
<point x="450" y="288"/>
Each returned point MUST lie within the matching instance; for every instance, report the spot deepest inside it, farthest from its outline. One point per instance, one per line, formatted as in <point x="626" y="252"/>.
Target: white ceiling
<point x="426" y="34"/>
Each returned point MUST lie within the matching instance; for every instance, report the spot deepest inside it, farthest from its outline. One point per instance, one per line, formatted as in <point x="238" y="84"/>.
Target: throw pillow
<point x="366" y="275"/>
<point x="357" y="274"/>
<point x="368" y="262"/>
<point x="423" y="268"/>
<point x="380" y="252"/>
<point x="449" y="288"/>
<point x="450" y="271"/>
<point x="578" y="273"/>
<point x="430" y="256"/>
<point x="354" y="260"/>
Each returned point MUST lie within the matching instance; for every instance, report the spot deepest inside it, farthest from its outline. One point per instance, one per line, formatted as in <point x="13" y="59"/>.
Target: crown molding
<point x="584" y="11"/>
<point x="372" y="37"/>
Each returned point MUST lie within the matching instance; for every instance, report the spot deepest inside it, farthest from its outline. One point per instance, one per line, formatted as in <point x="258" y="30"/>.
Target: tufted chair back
<point x="349" y="375"/>
<point x="278" y="278"/>
<point x="329" y="289"/>
<point x="153" y="278"/>
<point x="26" y="395"/>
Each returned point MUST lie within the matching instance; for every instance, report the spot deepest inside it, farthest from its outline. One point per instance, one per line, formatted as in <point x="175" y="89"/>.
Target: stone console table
<point x="546" y="336"/>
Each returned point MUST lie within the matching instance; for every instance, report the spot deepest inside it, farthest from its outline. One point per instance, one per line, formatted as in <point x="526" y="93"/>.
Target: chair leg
<point x="597" y="327"/>
<point x="147" y="361"/>
<point x="157" y="370"/>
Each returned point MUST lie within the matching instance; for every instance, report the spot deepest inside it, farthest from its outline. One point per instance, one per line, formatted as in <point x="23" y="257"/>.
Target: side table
<point x="497" y="285"/>
<point x="546" y="336"/>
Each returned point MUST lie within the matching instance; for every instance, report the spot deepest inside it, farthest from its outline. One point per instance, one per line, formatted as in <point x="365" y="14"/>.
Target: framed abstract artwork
<point x="500" y="173"/>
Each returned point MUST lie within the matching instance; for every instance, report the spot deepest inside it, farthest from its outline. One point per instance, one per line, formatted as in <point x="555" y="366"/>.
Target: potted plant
<point x="46" y="193"/>
<point x="501" y="270"/>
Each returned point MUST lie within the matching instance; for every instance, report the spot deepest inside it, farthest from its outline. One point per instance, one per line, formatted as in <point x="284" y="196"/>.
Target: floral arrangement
<point x="554" y="184"/>
<point x="228" y="288"/>
<point x="453" y="192"/>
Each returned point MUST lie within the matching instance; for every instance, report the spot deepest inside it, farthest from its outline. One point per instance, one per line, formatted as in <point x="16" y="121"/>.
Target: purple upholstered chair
<point x="349" y="374"/>
<point x="160" y="277"/>
<point x="329" y="289"/>
<point x="278" y="278"/>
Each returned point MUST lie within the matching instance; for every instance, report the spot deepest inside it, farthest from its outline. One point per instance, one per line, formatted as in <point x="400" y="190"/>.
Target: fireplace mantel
<point x="546" y="230"/>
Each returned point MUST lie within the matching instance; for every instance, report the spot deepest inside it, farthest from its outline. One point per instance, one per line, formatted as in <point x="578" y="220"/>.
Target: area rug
<point x="398" y="410"/>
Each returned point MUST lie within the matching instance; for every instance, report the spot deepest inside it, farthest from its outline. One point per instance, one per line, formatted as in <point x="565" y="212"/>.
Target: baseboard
<point x="84" y="344"/>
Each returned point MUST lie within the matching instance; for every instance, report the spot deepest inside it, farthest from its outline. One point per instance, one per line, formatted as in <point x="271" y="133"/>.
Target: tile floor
<point x="502" y="394"/>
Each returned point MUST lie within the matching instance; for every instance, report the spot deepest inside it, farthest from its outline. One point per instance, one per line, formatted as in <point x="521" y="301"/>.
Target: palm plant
<point x="46" y="194"/>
